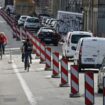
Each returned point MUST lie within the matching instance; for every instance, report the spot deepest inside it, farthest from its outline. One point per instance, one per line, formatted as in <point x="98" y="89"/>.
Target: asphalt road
<point x="36" y="87"/>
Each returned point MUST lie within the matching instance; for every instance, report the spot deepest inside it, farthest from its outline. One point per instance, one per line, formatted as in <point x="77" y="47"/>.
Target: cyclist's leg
<point x="30" y="56"/>
<point x="25" y="60"/>
<point x="3" y="48"/>
<point x="23" y="57"/>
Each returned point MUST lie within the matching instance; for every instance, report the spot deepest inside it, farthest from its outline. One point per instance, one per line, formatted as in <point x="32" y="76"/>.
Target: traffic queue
<point x="85" y="51"/>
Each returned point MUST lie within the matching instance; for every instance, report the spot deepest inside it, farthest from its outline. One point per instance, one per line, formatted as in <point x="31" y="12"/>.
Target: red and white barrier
<point x="42" y="52"/>
<point x="55" y="71"/>
<point x="103" y="90"/>
<point x="37" y="48"/>
<point x="34" y="43"/>
<point x="48" y="58"/>
<point x="24" y="35"/>
<point x="74" y="81"/>
<point x="64" y="72"/>
<point x="14" y="31"/>
<point x="18" y="33"/>
<point x="89" y="88"/>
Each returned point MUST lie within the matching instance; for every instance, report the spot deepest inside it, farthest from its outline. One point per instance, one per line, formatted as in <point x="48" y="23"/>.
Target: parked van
<point x="90" y="52"/>
<point x="71" y="41"/>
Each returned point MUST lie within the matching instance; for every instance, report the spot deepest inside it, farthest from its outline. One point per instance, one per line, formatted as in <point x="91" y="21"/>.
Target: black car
<point x="48" y="36"/>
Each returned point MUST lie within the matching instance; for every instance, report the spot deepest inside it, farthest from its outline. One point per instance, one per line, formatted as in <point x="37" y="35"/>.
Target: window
<point x="75" y="38"/>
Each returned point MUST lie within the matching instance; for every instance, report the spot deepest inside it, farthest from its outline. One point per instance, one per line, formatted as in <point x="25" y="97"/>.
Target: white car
<point x="22" y="20"/>
<point x="32" y="23"/>
<point x="101" y="74"/>
<point x="71" y="41"/>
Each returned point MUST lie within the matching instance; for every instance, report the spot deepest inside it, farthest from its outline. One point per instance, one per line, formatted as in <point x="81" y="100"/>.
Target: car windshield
<point x="24" y="17"/>
<point x="32" y="20"/>
<point x="75" y="38"/>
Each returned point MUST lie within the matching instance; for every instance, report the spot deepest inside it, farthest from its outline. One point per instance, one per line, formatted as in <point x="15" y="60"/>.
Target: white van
<point x="90" y="52"/>
<point x="71" y="41"/>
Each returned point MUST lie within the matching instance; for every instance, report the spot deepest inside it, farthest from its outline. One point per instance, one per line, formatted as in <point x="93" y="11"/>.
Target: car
<point x="71" y="41"/>
<point x="48" y="36"/>
<point x="32" y="24"/>
<point x="101" y="74"/>
<point x="21" y="20"/>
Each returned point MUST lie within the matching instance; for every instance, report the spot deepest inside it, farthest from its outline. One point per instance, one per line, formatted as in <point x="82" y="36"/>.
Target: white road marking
<point x="25" y="87"/>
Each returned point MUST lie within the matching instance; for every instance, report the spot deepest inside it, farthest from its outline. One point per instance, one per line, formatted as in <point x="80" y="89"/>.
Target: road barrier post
<point x="89" y="88"/>
<point x="14" y="31"/>
<point x="37" y="48"/>
<point x="55" y="71"/>
<point x="42" y="52"/>
<point x="48" y="59"/>
<point x="10" y="59"/>
<point x="74" y="81"/>
<point x="64" y="73"/>
<point x="18" y="34"/>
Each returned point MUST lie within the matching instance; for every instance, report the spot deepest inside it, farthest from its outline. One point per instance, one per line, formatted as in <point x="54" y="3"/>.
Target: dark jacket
<point x="28" y="47"/>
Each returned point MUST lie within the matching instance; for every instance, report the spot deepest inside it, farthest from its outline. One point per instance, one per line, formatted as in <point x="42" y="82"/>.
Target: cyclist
<point x="28" y="47"/>
<point x="3" y="41"/>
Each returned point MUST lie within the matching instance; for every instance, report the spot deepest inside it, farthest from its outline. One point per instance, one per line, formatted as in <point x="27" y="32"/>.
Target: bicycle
<point x="1" y="52"/>
<point x="26" y="62"/>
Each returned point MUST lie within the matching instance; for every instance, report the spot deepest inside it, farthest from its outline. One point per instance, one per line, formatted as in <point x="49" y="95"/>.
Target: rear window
<point x="24" y="17"/>
<point x="33" y="20"/>
<point x="46" y="34"/>
<point x="75" y="38"/>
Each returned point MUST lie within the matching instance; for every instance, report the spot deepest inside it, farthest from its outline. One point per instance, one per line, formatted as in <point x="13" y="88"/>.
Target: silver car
<point x="32" y="23"/>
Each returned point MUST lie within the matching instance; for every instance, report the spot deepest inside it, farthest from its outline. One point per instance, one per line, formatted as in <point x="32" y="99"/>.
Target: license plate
<point x="89" y="60"/>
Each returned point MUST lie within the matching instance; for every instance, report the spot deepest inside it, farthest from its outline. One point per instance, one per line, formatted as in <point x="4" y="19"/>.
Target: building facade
<point x="24" y="7"/>
<point x="94" y="16"/>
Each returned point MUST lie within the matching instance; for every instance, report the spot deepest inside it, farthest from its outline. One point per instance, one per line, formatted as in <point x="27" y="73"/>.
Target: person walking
<point x="28" y="47"/>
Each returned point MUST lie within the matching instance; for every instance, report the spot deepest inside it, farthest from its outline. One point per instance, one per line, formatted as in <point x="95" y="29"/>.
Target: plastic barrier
<point x="55" y="72"/>
<point x="64" y="73"/>
<point x="74" y="81"/>
<point x="48" y="59"/>
<point x="89" y="88"/>
<point x="14" y="31"/>
<point x="17" y="33"/>
<point x="37" y="48"/>
<point x="24" y="36"/>
<point x="34" y="43"/>
<point x="42" y="52"/>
